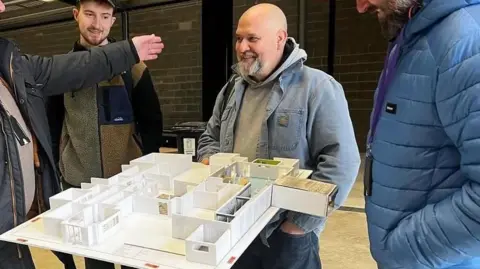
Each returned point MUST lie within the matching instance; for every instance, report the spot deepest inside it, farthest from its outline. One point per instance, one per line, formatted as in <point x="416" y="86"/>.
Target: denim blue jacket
<point x="319" y="132"/>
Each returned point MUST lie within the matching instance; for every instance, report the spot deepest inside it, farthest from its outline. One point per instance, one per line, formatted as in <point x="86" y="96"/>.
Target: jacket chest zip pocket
<point x="35" y="96"/>
<point x="114" y="105"/>
<point x="33" y="89"/>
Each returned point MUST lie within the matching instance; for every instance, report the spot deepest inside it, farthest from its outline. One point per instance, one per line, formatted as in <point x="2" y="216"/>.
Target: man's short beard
<point x="396" y="17"/>
<point x="251" y="71"/>
<point x="94" y="44"/>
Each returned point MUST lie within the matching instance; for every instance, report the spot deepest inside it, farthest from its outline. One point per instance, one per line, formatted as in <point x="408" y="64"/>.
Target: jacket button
<point x="22" y="101"/>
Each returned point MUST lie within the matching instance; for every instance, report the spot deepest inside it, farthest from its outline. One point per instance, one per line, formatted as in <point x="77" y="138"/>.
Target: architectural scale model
<point x="199" y="217"/>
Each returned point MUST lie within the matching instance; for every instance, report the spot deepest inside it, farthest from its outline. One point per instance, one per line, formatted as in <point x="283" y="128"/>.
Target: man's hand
<point x="205" y="161"/>
<point x="148" y="46"/>
<point x="291" y="228"/>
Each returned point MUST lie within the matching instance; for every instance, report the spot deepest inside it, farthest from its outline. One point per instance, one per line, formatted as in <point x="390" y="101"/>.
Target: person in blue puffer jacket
<point x="422" y="174"/>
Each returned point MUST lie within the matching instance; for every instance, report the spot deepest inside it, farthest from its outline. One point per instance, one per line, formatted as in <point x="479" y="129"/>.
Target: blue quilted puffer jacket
<point x="424" y="211"/>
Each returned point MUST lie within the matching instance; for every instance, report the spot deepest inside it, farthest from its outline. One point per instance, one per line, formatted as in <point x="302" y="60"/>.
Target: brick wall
<point x="360" y="52"/>
<point x="177" y="73"/>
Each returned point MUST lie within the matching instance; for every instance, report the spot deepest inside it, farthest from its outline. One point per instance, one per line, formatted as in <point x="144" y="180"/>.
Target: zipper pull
<point x="368" y="152"/>
<point x="20" y="134"/>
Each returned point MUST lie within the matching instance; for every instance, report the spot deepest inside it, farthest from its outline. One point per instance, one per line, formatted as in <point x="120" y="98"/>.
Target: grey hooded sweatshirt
<point x="255" y="100"/>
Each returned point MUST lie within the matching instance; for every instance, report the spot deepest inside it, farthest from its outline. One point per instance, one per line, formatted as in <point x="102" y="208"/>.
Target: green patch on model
<point x="267" y="161"/>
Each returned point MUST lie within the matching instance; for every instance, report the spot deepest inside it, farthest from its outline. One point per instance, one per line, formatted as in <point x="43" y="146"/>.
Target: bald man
<point x="279" y="107"/>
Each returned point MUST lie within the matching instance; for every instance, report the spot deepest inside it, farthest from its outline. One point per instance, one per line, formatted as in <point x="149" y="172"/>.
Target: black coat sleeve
<point x="78" y="70"/>
<point x="148" y="113"/>
<point x="55" y="109"/>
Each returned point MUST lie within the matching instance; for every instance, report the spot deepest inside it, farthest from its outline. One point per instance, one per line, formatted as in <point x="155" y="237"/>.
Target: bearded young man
<point x="422" y="177"/>
<point x="280" y="107"/>
<point x="94" y="129"/>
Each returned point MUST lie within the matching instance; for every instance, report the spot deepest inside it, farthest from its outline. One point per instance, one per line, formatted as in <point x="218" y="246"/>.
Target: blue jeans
<point x="286" y="251"/>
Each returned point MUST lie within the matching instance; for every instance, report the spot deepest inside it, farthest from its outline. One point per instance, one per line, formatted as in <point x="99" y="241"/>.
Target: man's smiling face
<point x="95" y="19"/>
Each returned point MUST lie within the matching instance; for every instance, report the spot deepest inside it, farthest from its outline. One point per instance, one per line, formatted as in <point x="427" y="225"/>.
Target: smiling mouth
<point x="248" y="58"/>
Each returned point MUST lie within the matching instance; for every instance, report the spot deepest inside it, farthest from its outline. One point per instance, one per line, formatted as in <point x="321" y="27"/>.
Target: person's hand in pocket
<point x="291" y="228"/>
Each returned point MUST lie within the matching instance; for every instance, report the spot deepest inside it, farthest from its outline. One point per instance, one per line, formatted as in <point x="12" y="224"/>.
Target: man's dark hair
<point x="108" y="2"/>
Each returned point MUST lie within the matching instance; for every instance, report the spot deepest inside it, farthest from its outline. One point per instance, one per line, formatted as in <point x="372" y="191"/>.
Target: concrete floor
<point x="343" y="243"/>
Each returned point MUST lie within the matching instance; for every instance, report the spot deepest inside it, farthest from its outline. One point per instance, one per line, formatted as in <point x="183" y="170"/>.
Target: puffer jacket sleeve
<point x="446" y="233"/>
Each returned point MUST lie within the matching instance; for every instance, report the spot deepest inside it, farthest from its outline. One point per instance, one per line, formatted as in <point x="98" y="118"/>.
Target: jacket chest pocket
<point x="114" y="105"/>
<point x="286" y="129"/>
<point x="34" y="94"/>
<point x="34" y="90"/>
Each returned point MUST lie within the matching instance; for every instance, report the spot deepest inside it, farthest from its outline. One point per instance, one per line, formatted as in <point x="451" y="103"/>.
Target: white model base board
<point x="120" y="250"/>
<point x="162" y="241"/>
<point x="163" y="211"/>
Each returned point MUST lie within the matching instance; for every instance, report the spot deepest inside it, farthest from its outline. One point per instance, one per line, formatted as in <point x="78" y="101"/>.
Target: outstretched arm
<point x="64" y="73"/>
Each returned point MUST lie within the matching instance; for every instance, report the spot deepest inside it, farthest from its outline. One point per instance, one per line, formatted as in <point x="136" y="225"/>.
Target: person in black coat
<point x="27" y="80"/>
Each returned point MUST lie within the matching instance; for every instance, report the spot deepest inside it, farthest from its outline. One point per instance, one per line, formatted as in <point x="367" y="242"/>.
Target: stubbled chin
<point x="246" y="64"/>
<point x="245" y="68"/>
<point x="94" y="43"/>
<point x="381" y="14"/>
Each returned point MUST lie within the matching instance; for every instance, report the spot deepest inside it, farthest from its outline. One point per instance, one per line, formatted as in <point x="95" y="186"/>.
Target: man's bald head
<point x="261" y="36"/>
<point x="268" y="15"/>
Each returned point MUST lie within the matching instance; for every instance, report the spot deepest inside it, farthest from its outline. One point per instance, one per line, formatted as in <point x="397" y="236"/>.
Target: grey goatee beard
<point x="253" y="69"/>
<point x="397" y="16"/>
